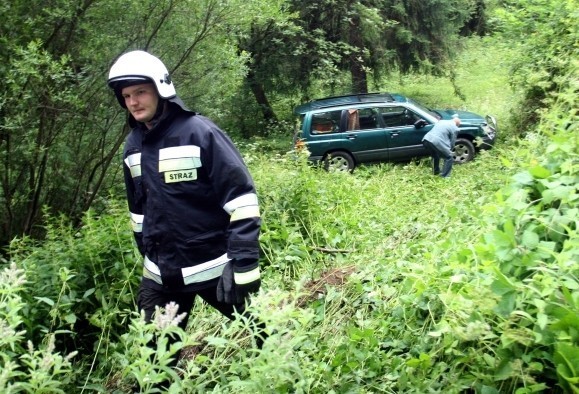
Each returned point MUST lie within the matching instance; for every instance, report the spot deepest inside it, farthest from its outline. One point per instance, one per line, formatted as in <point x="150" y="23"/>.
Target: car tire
<point x="463" y="151"/>
<point x="339" y="162"/>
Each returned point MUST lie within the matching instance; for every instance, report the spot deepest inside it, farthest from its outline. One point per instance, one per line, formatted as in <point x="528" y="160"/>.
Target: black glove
<point x="238" y="280"/>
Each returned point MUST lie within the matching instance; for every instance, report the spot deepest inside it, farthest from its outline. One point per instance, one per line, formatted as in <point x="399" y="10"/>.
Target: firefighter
<point x="192" y="201"/>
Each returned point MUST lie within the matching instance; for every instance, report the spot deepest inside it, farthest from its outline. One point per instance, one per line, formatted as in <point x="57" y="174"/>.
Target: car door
<point x="368" y="141"/>
<point x="404" y="139"/>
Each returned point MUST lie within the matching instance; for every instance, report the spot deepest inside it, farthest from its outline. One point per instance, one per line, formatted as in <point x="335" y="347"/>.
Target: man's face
<point x="141" y="101"/>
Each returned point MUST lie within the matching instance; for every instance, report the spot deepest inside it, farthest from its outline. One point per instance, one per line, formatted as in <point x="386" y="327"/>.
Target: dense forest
<point x="379" y="281"/>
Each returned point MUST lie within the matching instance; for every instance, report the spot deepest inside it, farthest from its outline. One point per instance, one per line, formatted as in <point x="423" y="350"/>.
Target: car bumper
<point x="490" y="132"/>
<point x="487" y="143"/>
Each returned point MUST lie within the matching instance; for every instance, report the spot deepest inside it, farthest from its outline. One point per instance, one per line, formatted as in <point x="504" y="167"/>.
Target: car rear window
<point x="325" y="122"/>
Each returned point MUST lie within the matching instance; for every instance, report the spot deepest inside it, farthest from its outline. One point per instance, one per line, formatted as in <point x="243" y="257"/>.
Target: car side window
<point x="325" y="122"/>
<point x="362" y="119"/>
<point x="398" y="116"/>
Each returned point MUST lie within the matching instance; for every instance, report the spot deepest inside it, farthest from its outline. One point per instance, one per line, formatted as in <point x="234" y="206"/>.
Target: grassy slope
<point x="481" y="77"/>
<point x="403" y="231"/>
<point x="401" y="239"/>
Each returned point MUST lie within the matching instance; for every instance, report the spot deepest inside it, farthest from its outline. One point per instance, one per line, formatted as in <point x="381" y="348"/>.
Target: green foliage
<point x="481" y="77"/>
<point x="547" y="59"/>
<point x="84" y="280"/>
<point x="80" y="301"/>
<point x="536" y="249"/>
<point x="61" y="128"/>
<point x="25" y="369"/>
<point x="341" y="341"/>
<point x="329" y="47"/>
<point x="146" y="353"/>
<point x="38" y="100"/>
<point x="424" y="33"/>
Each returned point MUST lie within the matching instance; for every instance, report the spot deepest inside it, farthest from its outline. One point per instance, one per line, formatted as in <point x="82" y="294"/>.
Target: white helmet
<point x="137" y="67"/>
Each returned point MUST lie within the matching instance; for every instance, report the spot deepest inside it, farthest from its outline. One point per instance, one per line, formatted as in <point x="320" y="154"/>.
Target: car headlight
<point x="492" y="123"/>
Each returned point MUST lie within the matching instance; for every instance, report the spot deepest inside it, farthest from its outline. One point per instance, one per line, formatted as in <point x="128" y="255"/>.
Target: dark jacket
<point x="192" y="200"/>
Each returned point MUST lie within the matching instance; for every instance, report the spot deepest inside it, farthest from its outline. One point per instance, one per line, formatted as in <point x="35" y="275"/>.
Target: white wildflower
<point x="12" y="276"/>
<point x="168" y="317"/>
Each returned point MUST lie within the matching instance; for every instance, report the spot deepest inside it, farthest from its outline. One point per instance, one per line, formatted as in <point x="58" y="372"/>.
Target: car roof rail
<point x="335" y="101"/>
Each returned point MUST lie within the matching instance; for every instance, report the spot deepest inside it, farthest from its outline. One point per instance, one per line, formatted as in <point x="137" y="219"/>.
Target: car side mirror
<point x="420" y="123"/>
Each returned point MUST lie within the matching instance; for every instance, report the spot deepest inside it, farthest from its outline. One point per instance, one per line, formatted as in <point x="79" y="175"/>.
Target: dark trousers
<point x="436" y="155"/>
<point x="148" y="299"/>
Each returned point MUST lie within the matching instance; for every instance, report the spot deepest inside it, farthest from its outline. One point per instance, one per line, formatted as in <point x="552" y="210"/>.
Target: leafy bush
<point x="27" y="366"/>
<point x="536" y="249"/>
<point x="83" y="278"/>
<point x="546" y="60"/>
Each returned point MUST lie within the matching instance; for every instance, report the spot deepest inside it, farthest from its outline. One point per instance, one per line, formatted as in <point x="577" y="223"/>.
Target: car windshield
<point x="425" y="108"/>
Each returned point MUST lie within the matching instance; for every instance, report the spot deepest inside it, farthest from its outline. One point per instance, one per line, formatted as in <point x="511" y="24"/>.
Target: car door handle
<point x="394" y="134"/>
<point x="351" y="136"/>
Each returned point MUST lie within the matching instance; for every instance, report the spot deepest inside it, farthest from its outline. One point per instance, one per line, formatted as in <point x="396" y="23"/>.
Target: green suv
<point x="342" y="132"/>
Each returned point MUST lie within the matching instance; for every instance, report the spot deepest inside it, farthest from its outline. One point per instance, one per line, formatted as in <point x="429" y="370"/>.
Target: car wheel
<point x="339" y="161"/>
<point x="463" y="151"/>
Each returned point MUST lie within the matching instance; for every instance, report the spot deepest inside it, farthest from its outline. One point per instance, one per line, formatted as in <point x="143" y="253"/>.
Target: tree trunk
<point x="356" y="62"/>
<point x="261" y="98"/>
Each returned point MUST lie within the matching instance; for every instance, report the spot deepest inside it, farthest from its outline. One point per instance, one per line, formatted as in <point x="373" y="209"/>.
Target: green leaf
<point x="507" y="303"/>
<point x="490" y="360"/>
<point x="502" y="284"/>
<point x="570" y="283"/>
<point x="218" y="342"/>
<point x="88" y="293"/>
<point x="45" y="300"/>
<point x="542" y="320"/>
<point x="70" y="318"/>
<point x="530" y="239"/>
<point x="506" y="162"/>
<point x="488" y="390"/>
<point x="423" y="361"/>
<point x="523" y="178"/>
<point x="567" y="322"/>
<point x="567" y="361"/>
<point x="539" y="172"/>
<point x="63" y="332"/>
<point x="504" y="371"/>
<point x="558" y="193"/>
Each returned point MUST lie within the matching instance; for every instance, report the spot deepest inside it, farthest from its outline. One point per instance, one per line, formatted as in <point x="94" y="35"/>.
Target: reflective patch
<point x="241" y="201"/>
<point x="151" y="271"/>
<point x="205" y="271"/>
<point x="198" y="273"/>
<point x="180" y="176"/>
<point x="243" y="207"/>
<point x="178" y="158"/>
<point x="134" y="163"/>
<point x="243" y="278"/>
<point x="245" y="213"/>
<point x="137" y="222"/>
